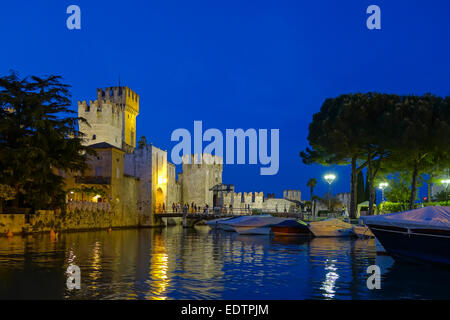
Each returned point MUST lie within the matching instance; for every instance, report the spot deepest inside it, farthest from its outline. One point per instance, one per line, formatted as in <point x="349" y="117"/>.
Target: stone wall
<point x="139" y="164"/>
<point x="173" y="187"/>
<point x="11" y="222"/>
<point x="198" y="178"/>
<point x="279" y="205"/>
<point x="111" y="118"/>
<point x="252" y="200"/>
<point x="81" y="217"/>
<point x="105" y="120"/>
<point x="295" y="195"/>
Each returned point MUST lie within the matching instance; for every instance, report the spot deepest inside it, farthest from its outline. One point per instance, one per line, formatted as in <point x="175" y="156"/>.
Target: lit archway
<point x="159" y="200"/>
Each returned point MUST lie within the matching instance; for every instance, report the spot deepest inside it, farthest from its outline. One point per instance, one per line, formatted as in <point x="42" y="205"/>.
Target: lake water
<point x="199" y="263"/>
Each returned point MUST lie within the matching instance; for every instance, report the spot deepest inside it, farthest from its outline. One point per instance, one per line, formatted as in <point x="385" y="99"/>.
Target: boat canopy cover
<point x="428" y="217"/>
<point x="332" y="223"/>
<point x="235" y="220"/>
<point x="258" y="221"/>
<point x="291" y="223"/>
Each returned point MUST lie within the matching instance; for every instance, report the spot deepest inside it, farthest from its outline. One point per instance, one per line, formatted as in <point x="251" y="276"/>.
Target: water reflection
<point x="328" y="285"/>
<point x="159" y="266"/>
<point x="177" y="263"/>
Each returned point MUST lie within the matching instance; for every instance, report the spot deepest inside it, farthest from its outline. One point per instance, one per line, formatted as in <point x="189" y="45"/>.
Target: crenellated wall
<point x="252" y="200"/>
<point x="104" y="122"/>
<point x="295" y="195"/>
<point x="111" y="118"/>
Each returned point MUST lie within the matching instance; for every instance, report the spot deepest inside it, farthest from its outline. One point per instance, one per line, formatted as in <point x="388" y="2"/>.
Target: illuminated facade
<point x="111" y="118"/>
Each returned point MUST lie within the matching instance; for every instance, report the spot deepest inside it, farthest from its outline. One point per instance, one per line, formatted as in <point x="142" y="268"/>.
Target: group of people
<point x="192" y="208"/>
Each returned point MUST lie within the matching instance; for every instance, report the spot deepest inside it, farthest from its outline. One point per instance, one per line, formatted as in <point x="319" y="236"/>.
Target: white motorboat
<point x="257" y="225"/>
<point x="228" y="225"/>
<point x="330" y="228"/>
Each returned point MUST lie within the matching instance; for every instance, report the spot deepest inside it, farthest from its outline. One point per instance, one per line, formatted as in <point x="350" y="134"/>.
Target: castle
<point x="138" y="180"/>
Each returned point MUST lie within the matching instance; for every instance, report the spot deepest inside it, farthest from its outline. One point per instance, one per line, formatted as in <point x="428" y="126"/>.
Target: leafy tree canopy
<point x="38" y="138"/>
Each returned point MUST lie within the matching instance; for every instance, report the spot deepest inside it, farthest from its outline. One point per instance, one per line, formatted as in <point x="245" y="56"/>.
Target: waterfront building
<point x="143" y="175"/>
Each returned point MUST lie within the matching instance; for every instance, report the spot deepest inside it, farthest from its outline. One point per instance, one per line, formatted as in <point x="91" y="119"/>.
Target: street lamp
<point x="446" y="182"/>
<point x="382" y="186"/>
<point x="329" y="178"/>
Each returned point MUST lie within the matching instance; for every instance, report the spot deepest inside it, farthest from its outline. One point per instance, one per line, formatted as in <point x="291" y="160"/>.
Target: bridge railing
<point x="219" y="211"/>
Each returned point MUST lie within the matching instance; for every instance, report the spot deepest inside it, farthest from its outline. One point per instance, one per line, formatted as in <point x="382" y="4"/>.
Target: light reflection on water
<point x="177" y="263"/>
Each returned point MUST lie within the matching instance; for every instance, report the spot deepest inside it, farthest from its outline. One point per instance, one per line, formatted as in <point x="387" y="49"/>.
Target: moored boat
<point x="330" y="228"/>
<point x="291" y="228"/>
<point x="215" y="223"/>
<point x="362" y="232"/>
<point x="419" y="234"/>
<point x="228" y="225"/>
<point x="257" y="225"/>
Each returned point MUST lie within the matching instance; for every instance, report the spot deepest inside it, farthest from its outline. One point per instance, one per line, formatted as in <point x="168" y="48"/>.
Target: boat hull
<point x="330" y="228"/>
<point x="252" y="230"/>
<point x="339" y="233"/>
<point x="225" y="227"/>
<point x="427" y="245"/>
<point x="291" y="231"/>
<point x="362" y="232"/>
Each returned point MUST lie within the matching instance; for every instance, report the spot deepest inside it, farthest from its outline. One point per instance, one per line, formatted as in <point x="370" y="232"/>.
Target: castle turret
<point x="111" y="118"/>
<point x="199" y="178"/>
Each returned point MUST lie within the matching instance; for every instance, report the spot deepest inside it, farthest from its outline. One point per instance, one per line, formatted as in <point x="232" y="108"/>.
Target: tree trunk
<point x="429" y="188"/>
<point x="353" y="192"/>
<point x="370" y="183"/>
<point x="372" y="173"/>
<point x="412" y="199"/>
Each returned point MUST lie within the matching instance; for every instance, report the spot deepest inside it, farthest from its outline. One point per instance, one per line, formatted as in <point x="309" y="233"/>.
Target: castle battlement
<point x="111" y="118"/>
<point x="295" y="195"/>
<point x="123" y="96"/>
<point x="205" y="158"/>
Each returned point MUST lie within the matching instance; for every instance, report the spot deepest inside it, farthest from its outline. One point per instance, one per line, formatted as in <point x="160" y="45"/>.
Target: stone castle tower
<point x="197" y="179"/>
<point x="111" y="118"/>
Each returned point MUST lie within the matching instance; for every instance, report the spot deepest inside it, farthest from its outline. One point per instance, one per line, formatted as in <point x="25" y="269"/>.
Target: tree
<point x="340" y="134"/>
<point x="312" y="184"/>
<point x="361" y="196"/>
<point x="399" y="188"/>
<point x="422" y="122"/>
<point x="441" y="196"/>
<point x="6" y="193"/>
<point x="38" y="138"/>
<point x="314" y="199"/>
<point x="382" y="132"/>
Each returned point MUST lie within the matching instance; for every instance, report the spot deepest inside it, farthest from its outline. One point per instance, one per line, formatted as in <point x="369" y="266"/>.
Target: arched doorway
<point x="159" y="200"/>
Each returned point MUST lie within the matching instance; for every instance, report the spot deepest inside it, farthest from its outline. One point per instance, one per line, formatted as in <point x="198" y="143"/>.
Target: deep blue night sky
<point x="234" y="64"/>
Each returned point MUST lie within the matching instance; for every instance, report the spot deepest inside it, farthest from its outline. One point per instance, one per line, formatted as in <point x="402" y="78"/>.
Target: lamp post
<point x="382" y="186"/>
<point x="329" y="178"/>
<point x="446" y="182"/>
